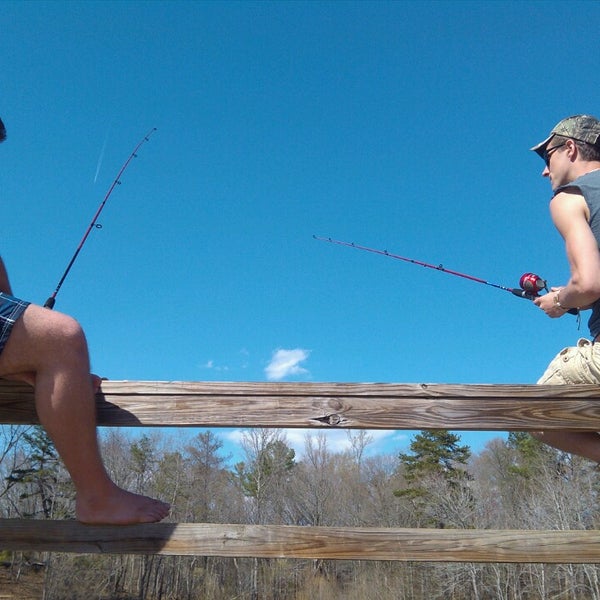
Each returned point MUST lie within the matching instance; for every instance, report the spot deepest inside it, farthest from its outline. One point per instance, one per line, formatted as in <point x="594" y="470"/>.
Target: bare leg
<point x="582" y="443"/>
<point x="52" y="346"/>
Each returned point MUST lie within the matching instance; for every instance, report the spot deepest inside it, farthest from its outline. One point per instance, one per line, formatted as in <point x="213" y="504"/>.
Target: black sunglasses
<point x="548" y="153"/>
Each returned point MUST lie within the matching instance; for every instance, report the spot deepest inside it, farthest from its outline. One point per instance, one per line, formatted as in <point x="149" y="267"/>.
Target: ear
<point x="571" y="149"/>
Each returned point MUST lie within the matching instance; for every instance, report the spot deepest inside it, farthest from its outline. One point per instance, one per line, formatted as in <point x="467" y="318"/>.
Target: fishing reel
<point x="532" y="284"/>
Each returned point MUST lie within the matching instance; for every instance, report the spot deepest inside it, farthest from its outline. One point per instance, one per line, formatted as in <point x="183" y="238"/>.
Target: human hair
<point x="2" y="131"/>
<point x="587" y="151"/>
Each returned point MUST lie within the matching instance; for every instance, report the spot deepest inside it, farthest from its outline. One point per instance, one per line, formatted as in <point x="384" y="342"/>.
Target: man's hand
<point x="547" y="303"/>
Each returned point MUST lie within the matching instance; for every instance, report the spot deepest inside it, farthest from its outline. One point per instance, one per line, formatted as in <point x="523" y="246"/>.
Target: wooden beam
<point x="270" y="541"/>
<point x="330" y="405"/>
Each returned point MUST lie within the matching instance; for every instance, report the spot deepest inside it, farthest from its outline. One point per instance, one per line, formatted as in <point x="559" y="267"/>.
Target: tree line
<point x="514" y="483"/>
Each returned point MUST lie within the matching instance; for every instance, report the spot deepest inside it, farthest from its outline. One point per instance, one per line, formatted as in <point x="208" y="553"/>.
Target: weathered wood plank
<point x="269" y="541"/>
<point x="330" y="405"/>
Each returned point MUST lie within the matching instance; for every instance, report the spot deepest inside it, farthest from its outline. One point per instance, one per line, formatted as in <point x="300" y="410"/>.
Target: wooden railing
<point x="319" y="405"/>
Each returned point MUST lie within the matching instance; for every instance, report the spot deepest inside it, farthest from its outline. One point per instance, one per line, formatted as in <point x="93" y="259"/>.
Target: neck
<point x="581" y="168"/>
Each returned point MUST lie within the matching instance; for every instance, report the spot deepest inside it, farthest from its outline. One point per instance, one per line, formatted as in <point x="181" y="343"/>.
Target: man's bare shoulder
<point x="569" y="207"/>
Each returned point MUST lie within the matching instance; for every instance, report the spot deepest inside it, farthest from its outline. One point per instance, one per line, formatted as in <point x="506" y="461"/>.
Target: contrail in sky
<point x="101" y="158"/>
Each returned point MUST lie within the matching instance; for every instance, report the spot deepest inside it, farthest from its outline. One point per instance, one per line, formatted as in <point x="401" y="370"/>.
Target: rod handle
<point x="529" y="296"/>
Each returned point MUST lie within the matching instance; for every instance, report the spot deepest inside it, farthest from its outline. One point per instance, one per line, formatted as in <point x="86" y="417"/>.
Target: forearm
<point x="4" y="282"/>
<point x="574" y="295"/>
<point x="570" y="297"/>
<point x="562" y="299"/>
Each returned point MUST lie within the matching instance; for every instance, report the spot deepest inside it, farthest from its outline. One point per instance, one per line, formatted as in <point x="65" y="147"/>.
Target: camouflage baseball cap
<point x="583" y="128"/>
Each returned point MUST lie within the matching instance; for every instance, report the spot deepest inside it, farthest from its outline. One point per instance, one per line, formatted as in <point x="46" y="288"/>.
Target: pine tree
<point x="529" y="453"/>
<point x="436" y="462"/>
<point x="272" y="462"/>
<point x="435" y="452"/>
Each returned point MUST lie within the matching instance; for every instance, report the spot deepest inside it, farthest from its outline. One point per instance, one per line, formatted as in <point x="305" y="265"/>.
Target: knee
<point x="66" y="332"/>
<point x="41" y="339"/>
<point x="72" y="331"/>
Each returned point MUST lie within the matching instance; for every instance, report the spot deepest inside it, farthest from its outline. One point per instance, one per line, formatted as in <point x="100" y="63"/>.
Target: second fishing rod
<point x="50" y="302"/>
<point x="530" y="284"/>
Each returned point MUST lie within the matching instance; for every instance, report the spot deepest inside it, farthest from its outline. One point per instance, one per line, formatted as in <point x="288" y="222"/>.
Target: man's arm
<point x="570" y="215"/>
<point x="4" y="282"/>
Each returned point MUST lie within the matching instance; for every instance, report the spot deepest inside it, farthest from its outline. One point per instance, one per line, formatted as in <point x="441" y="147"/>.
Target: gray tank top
<point x="589" y="186"/>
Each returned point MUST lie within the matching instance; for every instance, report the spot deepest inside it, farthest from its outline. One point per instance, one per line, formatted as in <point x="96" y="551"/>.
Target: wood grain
<point x="330" y="405"/>
<point x="271" y="541"/>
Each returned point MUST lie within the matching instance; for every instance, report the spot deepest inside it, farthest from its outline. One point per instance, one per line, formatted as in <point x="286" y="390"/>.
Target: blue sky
<point x="399" y="125"/>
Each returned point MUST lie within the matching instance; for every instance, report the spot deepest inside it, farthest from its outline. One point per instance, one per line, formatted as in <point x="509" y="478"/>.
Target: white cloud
<point x="382" y="441"/>
<point x="285" y="363"/>
<point x="338" y="440"/>
<point x="210" y="365"/>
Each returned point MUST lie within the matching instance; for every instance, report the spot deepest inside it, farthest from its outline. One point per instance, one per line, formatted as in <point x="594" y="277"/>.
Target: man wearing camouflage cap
<point x="572" y="163"/>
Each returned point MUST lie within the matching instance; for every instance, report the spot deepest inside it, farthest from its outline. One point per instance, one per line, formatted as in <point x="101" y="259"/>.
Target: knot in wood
<point x="333" y="419"/>
<point x="336" y="404"/>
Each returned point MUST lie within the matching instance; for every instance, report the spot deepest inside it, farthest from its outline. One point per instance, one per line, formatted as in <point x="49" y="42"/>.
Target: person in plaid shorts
<point x="48" y="350"/>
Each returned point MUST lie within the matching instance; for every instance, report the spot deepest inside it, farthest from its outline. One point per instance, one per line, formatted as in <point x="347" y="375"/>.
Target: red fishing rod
<point x="530" y="283"/>
<point x="117" y="181"/>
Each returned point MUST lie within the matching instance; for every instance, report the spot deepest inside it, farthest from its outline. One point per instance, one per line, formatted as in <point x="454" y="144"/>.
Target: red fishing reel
<point x="532" y="284"/>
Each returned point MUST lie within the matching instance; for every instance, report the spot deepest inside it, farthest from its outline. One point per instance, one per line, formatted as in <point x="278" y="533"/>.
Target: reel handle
<point x="521" y="293"/>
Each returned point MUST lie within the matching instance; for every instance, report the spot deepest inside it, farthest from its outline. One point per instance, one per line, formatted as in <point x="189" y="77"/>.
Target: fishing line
<point x="93" y="224"/>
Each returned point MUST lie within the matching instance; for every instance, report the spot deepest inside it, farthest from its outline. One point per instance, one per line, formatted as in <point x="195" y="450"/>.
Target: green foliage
<point x="434" y="468"/>
<point x="529" y="454"/>
<point x="142" y="454"/>
<point x="275" y="460"/>
<point x="435" y="452"/>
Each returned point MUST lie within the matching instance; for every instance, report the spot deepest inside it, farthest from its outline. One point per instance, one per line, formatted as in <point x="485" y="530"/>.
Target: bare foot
<point x="120" y="508"/>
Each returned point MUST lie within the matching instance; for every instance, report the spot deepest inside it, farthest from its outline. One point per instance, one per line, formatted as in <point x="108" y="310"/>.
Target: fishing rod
<point x="117" y="181"/>
<point x="530" y="283"/>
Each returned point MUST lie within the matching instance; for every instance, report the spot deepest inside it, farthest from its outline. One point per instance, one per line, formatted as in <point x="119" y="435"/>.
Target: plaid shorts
<point x="10" y="311"/>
